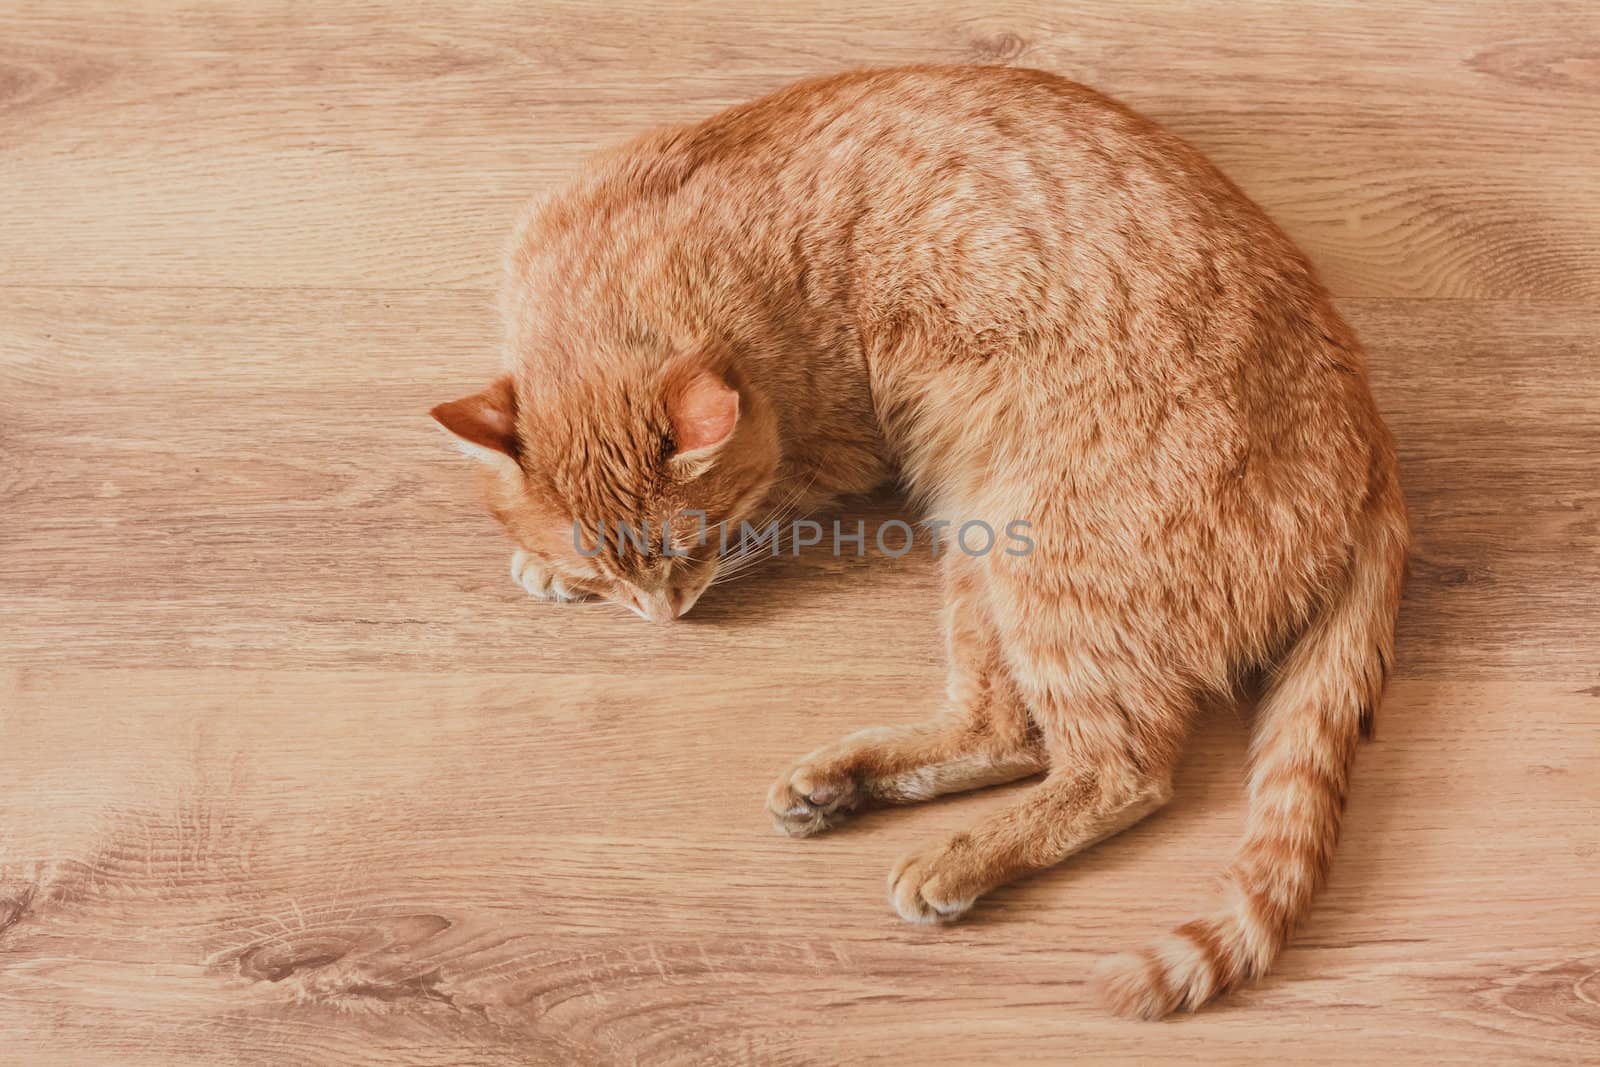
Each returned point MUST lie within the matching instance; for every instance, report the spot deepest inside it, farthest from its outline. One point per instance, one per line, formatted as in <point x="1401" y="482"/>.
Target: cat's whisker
<point x="733" y="573"/>
<point x="751" y="555"/>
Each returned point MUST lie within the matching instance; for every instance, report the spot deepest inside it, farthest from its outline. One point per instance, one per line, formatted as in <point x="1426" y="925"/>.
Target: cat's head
<point x="568" y="464"/>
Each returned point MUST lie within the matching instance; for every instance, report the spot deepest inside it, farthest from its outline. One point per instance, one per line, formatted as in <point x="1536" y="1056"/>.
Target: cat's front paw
<point x="529" y="573"/>
<point x="810" y="798"/>
<point x="932" y="886"/>
<point x="526" y="572"/>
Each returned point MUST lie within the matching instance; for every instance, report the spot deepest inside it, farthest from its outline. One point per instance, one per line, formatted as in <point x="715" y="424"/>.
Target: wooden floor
<point x="290" y="772"/>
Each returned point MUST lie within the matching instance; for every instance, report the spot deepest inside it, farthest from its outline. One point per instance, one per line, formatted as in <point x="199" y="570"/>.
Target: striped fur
<point x="1317" y="706"/>
<point x="1025" y="302"/>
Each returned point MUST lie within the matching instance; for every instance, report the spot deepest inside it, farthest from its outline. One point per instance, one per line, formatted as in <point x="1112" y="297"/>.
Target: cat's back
<point x="910" y="178"/>
<point x="905" y="140"/>
<point x="982" y="212"/>
<point x="997" y="193"/>
<point x="901" y="141"/>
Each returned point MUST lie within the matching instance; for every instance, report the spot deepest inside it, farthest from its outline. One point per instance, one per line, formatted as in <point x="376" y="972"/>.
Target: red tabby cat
<point x="1027" y="302"/>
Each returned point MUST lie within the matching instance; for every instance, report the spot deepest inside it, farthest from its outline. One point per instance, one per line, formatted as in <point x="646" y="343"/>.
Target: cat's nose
<point x="663" y="607"/>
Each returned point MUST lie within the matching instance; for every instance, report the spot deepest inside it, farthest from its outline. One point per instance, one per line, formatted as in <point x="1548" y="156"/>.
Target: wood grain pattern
<point x="291" y="772"/>
<point x="1415" y="149"/>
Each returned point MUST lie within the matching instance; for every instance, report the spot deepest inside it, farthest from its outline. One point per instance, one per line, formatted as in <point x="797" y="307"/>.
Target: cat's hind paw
<point x="927" y="887"/>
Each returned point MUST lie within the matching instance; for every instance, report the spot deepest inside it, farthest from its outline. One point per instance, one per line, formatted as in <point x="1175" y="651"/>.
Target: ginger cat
<point x="1024" y="301"/>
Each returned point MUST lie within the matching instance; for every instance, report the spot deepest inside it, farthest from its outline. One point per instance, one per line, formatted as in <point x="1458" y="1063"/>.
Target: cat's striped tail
<point x="1318" y="704"/>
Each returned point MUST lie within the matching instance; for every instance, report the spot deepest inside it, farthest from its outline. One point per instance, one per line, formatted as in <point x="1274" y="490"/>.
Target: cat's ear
<point x="484" y="424"/>
<point x="703" y="409"/>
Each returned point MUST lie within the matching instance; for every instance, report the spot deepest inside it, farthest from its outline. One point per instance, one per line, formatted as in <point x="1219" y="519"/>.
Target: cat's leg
<point x="984" y="736"/>
<point x="1112" y="736"/>
<point x="1070" y="810"/>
